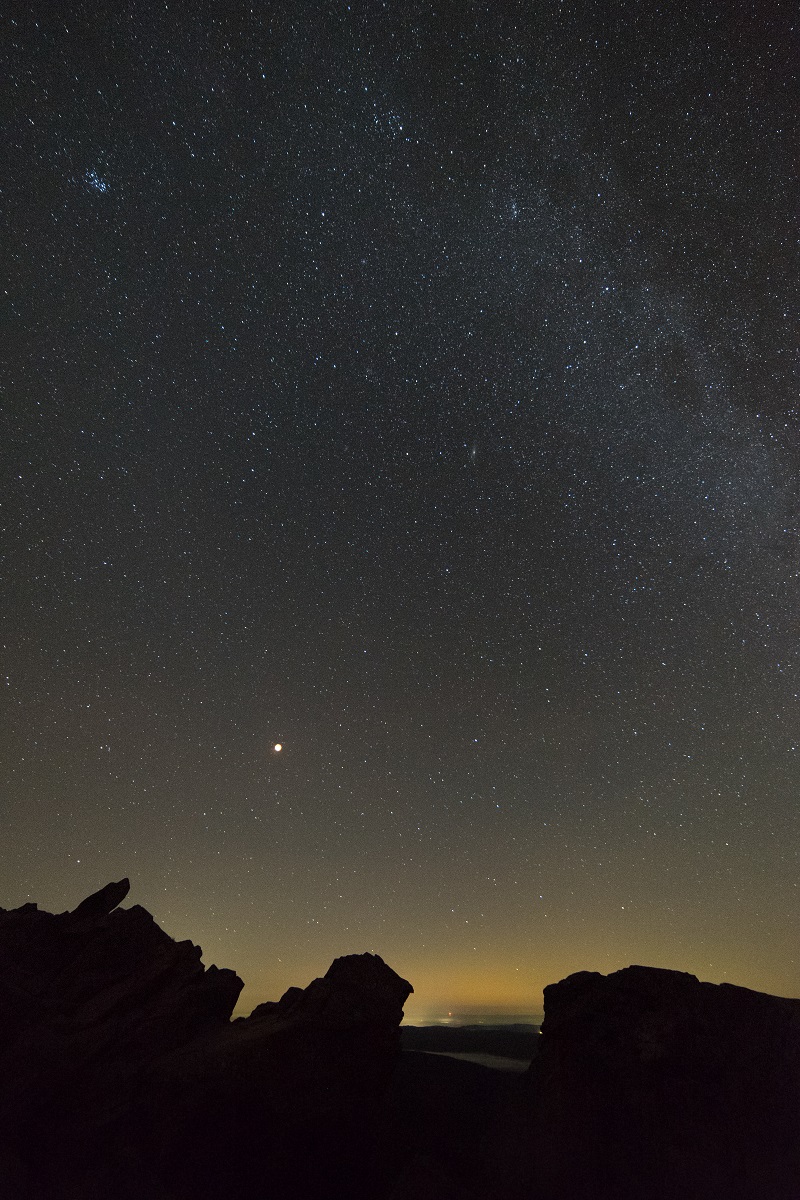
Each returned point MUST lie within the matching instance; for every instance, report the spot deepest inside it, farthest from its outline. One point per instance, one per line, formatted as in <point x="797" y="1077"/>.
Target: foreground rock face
<point x="121" y="1073"/>
<point x="109" y="976"/>
<point x="651" y="1084"/>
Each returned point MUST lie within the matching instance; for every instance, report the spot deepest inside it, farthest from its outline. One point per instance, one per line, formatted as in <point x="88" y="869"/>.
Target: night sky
<point x="409" y="384"/>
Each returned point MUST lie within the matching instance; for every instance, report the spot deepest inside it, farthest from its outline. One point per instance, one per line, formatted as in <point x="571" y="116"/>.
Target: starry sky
<point x="413" y="385"/>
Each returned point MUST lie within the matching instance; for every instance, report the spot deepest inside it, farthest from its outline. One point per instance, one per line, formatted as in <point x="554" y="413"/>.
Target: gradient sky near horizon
<point x="414" y="386"/>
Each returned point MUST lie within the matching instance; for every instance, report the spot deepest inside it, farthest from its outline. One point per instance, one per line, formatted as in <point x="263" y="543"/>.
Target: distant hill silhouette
<point x="506" y="1041"/>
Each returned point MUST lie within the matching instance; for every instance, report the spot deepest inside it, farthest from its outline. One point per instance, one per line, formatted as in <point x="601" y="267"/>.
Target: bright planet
<point x="278" y="747"/>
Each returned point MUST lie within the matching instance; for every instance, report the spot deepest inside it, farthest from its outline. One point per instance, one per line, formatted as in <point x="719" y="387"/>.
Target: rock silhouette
<point x="650" y="1083"/>
<point x="122" y="1074"/>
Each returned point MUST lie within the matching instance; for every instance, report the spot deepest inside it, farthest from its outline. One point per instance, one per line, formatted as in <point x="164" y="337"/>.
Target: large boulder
<point x="121" y="1072"/>
<point x="295" y="1087"/>
<point x="651" y="1084"/>
<point x="86" y="999"/>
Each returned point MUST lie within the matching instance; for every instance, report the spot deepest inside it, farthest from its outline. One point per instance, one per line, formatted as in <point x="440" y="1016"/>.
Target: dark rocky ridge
<point x="121" y="1073"/>
<point x="650" y="1083"/>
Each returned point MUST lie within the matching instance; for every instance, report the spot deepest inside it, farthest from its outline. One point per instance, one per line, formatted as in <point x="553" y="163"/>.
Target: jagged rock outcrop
<point x="122" y="1074"/>
<point x="294" y="1086"/>
<point x="651" y="1084"/>
<point x="113" y="977"/>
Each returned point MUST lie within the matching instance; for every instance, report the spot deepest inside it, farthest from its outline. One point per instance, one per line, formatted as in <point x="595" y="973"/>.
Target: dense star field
<point x="410" y="385"/>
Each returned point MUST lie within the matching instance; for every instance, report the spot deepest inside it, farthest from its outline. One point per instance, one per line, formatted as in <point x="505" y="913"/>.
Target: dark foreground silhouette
<point x="122" y="1076"/>
<point x="650" y="1085"/>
